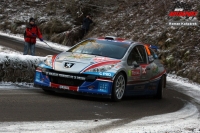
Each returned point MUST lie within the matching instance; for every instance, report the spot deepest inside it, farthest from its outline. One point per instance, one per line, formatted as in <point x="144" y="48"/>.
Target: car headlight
<point x="48" y="60"/>
<point x="101" y="68"/>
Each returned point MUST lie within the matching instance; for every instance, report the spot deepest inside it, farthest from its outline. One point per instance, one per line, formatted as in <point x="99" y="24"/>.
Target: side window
<point x="137" y="54"/>
<point x="142" y="55"/>
<point x="151" y="51"/>
<point x="131" y="57"/>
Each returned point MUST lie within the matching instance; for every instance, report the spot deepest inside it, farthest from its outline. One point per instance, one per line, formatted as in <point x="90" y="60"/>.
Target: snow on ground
<point x="43" y="44"/>
<point x="185" y="120"/>
<point x="9" y="50"/>
<point x="52" y="126"/>
<point x="185" y="86"/>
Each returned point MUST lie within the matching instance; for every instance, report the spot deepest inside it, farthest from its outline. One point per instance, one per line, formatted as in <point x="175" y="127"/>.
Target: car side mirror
<point x="151" y="58"/>
<point x="135" y="64"/>
<point x="155" y="56"/>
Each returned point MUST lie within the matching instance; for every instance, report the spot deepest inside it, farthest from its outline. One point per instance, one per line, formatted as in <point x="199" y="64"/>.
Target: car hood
<point x="76" y="63"/>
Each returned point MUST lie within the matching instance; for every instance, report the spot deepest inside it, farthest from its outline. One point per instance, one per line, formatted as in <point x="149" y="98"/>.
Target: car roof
<point x="114" y="39"/>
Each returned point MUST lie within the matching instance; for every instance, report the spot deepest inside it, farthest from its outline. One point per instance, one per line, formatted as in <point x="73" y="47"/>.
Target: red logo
<point x="135" y="72"/>
<point x="182" y="9"/>
<point x="183" y="13"/>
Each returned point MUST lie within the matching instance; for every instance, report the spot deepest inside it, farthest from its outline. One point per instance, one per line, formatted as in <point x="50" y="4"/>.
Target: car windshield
<point x="105" y="48"/>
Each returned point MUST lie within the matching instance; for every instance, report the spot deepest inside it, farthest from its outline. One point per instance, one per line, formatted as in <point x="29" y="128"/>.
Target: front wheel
<point x="119" y="86"/>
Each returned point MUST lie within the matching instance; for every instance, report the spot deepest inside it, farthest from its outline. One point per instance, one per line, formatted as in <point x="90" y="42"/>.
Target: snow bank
<point x="18" y="68"/>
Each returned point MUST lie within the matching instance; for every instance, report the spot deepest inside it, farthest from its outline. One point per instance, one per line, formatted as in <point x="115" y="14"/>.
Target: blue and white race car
<point x="106" y="67"/>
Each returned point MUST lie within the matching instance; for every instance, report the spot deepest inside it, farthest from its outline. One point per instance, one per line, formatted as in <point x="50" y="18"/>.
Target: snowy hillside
<point x="138" y="20"/>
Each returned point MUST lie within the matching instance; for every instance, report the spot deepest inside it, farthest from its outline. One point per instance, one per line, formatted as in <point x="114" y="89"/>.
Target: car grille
<point x="65" y="81"/>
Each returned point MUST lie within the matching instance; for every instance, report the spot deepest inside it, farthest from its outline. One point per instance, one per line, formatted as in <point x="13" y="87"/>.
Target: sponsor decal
<point x="129" y="73"/>
<point x="78" y="56"/>
<point x="65" y="76"/>
<point x="102" y="59"/>
<point x="105" y="74"/>
<point x="185" y="12"/>
<point x="72" y="88"/>
<point x="135" y="72"/>
<point x="155" y="68"/>
<point x="101" y="74"/>
<point x="64" y="87"/>
<point x="144" y="70"/>
<point x="103" y="86"/>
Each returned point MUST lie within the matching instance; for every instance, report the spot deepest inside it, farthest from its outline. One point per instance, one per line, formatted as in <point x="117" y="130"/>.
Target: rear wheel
<point x="119" y="86"/>
<point x="161" y="85"/>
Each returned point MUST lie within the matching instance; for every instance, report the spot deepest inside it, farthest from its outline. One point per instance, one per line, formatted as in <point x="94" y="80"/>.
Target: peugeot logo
<point x="68" y="65"/>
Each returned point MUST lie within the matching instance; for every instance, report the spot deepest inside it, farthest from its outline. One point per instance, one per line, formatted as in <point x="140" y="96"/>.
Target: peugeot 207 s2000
<point x="106" y="67"/>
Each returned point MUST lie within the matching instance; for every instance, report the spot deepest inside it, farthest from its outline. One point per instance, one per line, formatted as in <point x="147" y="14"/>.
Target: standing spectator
<point x="31" y="32"/>
<point x="86" y="25"/>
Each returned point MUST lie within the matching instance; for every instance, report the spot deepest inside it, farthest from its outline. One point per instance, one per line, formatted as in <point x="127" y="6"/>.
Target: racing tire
<point x="119" y="86"/>
<point x="161" y="85"/>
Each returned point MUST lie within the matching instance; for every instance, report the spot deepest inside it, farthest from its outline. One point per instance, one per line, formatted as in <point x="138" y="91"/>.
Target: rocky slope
<point x="139" y="20"/>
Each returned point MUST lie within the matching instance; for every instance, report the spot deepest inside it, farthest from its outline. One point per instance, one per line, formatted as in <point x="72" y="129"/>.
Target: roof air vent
<point x="110" y="37"/>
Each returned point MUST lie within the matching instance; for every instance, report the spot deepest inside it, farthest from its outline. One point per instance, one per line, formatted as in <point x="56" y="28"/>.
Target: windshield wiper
<point x="96" y="54"/>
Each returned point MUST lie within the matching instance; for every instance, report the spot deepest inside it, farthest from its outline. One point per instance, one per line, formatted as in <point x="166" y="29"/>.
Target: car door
<point x="139" y="72"/>
<point x="155" y="65"/>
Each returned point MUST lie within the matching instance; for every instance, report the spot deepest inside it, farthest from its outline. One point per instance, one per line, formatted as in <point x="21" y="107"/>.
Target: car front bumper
<point x="82" y="84"/>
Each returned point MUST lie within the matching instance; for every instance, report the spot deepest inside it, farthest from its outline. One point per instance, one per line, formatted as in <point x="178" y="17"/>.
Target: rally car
<point x="107" y="67"/>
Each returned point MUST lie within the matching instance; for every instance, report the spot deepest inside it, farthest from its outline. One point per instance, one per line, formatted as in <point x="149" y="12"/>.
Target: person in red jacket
<point x="31" y="33"/>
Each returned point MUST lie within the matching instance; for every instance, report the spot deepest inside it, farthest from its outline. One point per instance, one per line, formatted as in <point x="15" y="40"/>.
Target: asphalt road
<point x="36" y="105"/>
<point x="19" y="46"/>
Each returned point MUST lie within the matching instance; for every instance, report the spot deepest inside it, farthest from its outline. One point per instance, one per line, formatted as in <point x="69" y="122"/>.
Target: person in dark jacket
<point x="86" y="24"/>
<point x="30" y="35"/>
